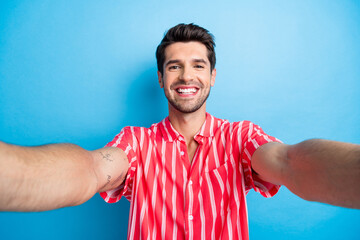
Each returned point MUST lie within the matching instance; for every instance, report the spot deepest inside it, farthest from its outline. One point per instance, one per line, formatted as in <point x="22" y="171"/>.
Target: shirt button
<point x="190" y="217"/>
<point x="182" y="153"/>
<point x="190" y="182"/>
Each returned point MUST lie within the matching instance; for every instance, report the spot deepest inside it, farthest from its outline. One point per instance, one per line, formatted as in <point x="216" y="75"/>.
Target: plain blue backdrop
<point x="79" y="71"/>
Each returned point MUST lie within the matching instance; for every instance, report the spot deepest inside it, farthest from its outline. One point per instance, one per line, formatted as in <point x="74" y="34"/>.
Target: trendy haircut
<point x="186" y="33"/>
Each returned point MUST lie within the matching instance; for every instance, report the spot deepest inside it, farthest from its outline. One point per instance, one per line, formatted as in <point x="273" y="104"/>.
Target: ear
<point x="160" y="79"/>
<point x="213" y="76"/>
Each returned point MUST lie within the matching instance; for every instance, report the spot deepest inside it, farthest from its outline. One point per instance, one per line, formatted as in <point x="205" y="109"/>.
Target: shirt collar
<point x="170" y="134"/>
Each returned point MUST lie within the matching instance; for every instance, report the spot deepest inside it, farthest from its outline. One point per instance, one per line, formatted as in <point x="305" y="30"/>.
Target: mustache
<point x="182" y="83"/>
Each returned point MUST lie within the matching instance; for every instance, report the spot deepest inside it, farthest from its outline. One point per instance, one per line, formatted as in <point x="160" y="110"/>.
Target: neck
<point x="187" y="124"/>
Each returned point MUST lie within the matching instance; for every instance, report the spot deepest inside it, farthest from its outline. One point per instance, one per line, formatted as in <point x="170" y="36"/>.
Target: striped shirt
<point x="173" y="198"/>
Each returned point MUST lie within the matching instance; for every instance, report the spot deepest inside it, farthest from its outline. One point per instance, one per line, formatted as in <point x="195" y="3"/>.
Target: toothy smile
<point x="186" y="90"/>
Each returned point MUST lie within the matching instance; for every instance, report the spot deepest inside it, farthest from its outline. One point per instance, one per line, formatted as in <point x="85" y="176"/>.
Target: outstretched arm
<point x="315" y="170"/>
<point x="54" y="176"/>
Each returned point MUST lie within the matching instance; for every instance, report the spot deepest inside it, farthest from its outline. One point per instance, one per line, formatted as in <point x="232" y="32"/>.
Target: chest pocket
<point x="217" y="187"/>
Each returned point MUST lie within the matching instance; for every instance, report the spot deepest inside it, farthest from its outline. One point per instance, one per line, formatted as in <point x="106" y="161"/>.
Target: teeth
<point x="186" y="90"/>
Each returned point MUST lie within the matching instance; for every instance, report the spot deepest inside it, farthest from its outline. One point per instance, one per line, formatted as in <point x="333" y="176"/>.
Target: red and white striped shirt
<point x="172" y="198"/>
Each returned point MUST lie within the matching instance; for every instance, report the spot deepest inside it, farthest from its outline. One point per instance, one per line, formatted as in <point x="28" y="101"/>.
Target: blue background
<point x="79" y="71"/>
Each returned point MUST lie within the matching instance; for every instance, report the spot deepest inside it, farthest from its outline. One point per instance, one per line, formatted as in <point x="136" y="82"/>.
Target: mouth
<point x="187" y="91"/>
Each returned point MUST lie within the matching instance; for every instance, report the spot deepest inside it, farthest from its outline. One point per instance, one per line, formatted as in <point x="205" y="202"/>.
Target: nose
<point x="186" y="74"/>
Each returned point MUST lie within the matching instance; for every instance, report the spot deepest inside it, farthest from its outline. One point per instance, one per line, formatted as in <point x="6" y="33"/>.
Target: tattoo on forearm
<point x="107" y="156"/>
<point x="114" y="182"/>
<point x="107" y="181"/>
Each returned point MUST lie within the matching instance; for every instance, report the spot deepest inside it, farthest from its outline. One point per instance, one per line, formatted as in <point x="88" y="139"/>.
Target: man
<point x="187" y="176"/>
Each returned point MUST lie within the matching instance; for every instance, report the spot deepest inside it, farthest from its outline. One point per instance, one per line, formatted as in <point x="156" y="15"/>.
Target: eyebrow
<point x="197" y="60"/>
<point x="172" y="62"/>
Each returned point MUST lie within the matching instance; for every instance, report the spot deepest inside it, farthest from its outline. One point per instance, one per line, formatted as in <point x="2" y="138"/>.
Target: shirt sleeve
<point x="252" y="137"/>
<point x="127" y="142"/>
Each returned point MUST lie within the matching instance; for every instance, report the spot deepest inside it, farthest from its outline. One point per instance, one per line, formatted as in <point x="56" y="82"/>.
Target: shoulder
<point x="135" y="131"/>
<point x="241" y="131"/>
<point x="141" y="132"/>
<point x="234" y="127"/>
<point x="128" y="133"/>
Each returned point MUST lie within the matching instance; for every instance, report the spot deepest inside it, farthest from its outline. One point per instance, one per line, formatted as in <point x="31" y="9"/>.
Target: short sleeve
<point x="126" y="141"/>
<point x="252" y="137"/>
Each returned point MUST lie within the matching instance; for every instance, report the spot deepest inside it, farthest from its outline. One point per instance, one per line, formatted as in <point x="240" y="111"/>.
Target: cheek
<point x="167" y="83"/>
<point x="166" y="86"/>
<point x="207" y="79"/>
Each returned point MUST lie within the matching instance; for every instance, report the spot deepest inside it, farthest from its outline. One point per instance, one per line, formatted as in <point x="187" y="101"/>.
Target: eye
<point x="174" y="67"/>
<point x="199" y="66"/>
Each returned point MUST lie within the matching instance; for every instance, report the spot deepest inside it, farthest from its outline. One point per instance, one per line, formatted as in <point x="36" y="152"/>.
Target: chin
<point x="190" y="109"/>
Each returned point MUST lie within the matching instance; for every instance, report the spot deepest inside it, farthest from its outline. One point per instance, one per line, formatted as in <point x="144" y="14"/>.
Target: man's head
<point x="186" y="61"/>
<point x="186" y="33"/>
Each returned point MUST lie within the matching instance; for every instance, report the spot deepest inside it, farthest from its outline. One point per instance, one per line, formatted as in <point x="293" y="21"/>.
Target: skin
<point x="316" y="170"/>
<point x="35" y="175"/>
<point x="187" y="66"/>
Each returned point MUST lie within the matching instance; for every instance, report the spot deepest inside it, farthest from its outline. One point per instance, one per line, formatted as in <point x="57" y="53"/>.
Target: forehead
<point x="186" y="50"/>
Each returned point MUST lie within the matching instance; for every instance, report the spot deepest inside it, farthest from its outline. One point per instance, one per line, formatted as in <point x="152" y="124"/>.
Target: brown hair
<point x="186" y="33"/>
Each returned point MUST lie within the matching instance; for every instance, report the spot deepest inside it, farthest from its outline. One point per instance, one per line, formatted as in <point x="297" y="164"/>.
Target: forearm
<point x="324" y="171"/>
<point x="45" y="177"/>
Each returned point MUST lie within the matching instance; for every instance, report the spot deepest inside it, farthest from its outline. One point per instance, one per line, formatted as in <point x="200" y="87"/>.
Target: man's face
<point x="187" y="76"/>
